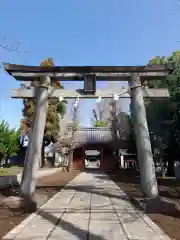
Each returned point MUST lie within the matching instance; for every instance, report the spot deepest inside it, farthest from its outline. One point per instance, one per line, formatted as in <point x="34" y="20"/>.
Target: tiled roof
<point x="95" y="135"/>
<point x="91" y="135"/>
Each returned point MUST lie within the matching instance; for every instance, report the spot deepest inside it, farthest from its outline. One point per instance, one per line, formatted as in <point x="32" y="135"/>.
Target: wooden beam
<point x="100" y="76"/>
<point x="87" y="69"/>
<point x="30" y="73"/>
<point x="70" y="94"/>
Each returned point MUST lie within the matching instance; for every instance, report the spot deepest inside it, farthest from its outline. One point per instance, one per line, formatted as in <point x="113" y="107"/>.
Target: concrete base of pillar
<point x="159" y="205"/>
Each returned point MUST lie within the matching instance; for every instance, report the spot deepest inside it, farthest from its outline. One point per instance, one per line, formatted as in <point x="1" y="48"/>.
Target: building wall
<point x="108" y="161"/>
<point x="78" y="159"/>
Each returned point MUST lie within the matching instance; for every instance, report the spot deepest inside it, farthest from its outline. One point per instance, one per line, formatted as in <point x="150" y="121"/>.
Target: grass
<point x="7" y="171"/>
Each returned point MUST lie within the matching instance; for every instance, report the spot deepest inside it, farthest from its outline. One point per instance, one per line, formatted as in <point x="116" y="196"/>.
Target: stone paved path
<point x="91" y="207"/>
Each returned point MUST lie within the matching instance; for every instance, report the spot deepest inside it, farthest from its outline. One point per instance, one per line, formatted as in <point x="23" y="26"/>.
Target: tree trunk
<point x="162" y="167"/>
<point x="70" y="159"/>
<point x="53" y="159"/>
<point x="169" y="158"/>
<point x="170" y="168"/>
<point x="42" y="162"/>
<point x="50" y="161"/>
<point x="6" y="161"/>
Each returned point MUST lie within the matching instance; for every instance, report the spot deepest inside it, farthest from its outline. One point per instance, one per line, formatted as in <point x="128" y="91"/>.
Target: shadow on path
<point x="69" y="227"/>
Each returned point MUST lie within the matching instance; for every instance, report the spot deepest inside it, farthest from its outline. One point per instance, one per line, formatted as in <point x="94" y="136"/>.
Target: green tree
<point x="100" y="124"/>
<point x="163" y="115"/>
<point x="101" y="113"/>
<point x="55" y="109"/>
<point x="9" y="141"/>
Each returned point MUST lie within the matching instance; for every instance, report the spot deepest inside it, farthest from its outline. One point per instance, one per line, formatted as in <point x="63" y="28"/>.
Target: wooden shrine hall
<point x="100" y="139"/>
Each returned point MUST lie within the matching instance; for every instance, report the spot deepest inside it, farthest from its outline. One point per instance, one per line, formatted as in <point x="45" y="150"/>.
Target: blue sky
<point x="84" y="32"/>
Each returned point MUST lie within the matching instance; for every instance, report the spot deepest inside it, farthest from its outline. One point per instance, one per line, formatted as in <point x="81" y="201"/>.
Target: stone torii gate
<point x="135" y="75"/>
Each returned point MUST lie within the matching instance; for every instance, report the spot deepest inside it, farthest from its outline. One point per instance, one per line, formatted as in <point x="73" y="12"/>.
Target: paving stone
<point x="104" y="216"/>
<point x="154" y="227"/>
<point x="102" y="209"/>
<point x="90" y="207"/>
<point x="41" y="226"/>
<point x="71" y="227"/>
<point x="106" y="231"/>
<point x="136" y="228"/>
<point x="122" y="205"/>
<point x="67" y="235"/>
<point x="79" y="205"/>
<point x="103" y="213"/>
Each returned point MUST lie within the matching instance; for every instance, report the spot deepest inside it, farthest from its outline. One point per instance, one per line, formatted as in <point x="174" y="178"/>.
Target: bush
<point x="9" y="142"/>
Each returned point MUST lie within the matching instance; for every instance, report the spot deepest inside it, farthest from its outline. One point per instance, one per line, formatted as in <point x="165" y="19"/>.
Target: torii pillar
<point x="143" y="144"/>
<point x="33" y="155"/>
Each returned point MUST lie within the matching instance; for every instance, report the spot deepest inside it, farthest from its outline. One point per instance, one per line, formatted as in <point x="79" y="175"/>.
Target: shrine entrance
<point x="88" y="155"/>
<point x="92" y="158"/>
<point x="94" y="148"/>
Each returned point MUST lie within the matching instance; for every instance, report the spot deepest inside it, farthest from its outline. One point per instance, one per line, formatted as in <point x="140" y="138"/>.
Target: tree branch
<point x="9" y="47"/>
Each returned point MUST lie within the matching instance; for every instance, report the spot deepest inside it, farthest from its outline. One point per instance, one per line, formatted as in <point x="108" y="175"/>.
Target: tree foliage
<point x="163" y="115"/>
<point x="100" y="124"/>
<point x="101" y="114"/>
<point x="161" y="112"/>
<point x="124" y="125"/>
<point x="108" y="114"/>
<point x="9" y="141"/>
<point x="55" y="107"/>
